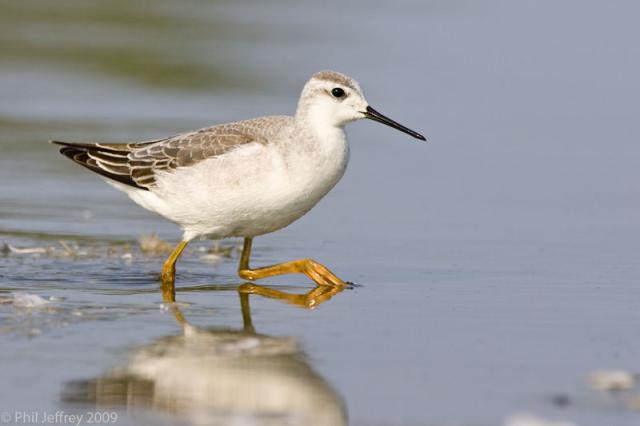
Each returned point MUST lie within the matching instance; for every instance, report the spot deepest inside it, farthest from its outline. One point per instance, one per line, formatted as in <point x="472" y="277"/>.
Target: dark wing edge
<point x="108" y="160"/>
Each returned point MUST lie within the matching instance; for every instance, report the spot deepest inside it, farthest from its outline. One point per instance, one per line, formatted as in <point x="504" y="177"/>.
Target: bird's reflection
<point x="219" y="376"/>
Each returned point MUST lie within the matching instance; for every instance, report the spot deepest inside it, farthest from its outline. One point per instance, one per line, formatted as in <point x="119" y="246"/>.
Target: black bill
<point x="376" y="116"/>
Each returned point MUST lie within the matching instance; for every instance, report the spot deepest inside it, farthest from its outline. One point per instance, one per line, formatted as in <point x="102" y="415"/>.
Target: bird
<point x="242" y="179"/>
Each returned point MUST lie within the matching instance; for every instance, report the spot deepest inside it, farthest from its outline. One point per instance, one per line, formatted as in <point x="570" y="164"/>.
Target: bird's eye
<point x="337" y="92"/>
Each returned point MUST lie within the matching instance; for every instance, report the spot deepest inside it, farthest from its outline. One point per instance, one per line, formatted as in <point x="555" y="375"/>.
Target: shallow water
<point x="497" y="264"/>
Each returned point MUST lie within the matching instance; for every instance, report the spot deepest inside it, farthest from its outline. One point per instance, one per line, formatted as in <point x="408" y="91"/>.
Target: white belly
<point x="253" y="190"/>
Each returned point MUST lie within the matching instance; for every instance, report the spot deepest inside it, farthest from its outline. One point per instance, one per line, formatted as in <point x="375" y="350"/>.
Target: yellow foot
<point x="319" y="273"/>
<point x="168" y="291"/>
<point x="168" y="276"/>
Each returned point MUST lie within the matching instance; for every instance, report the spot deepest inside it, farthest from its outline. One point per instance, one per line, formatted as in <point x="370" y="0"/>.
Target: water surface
<point x="497" y="263"/>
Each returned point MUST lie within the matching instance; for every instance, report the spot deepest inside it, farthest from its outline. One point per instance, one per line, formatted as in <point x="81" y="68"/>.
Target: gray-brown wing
<point x="184" y="150"/>
<point x="136" y="164"/>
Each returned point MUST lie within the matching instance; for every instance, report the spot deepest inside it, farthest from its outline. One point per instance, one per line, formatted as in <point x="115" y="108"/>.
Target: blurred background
<point x="498" y="262"/>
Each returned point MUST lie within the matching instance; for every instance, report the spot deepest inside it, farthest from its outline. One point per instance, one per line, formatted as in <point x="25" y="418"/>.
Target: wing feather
<point x="136" y="164"/>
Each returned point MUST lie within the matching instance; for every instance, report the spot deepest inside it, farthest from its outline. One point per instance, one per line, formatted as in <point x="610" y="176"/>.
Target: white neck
<point x="324" y="146"/>
<point x="316" y="120"/>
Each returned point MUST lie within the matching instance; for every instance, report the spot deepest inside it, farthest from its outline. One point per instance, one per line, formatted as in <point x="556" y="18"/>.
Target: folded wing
<point x="136" y="164"/>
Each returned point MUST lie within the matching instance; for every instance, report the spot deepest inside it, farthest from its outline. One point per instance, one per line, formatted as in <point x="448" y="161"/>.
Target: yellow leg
<point x="169" y="273"/>
<point x="309" y="300"/>
<point x="320" y="274"/>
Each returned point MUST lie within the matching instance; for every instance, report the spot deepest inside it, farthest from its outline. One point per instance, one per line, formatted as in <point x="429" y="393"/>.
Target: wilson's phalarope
<point x="245" y="178"/>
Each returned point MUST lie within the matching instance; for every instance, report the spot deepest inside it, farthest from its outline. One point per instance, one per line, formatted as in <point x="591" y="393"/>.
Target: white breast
<point x="316" y="163"/>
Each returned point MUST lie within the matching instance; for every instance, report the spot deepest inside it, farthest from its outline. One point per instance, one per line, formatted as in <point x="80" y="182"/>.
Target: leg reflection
<point x="309" y="300"/>
<point x="218" y="376"/>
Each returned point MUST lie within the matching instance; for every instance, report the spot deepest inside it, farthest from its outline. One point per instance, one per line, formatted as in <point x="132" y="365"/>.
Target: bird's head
<point x="333" y="99"/>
